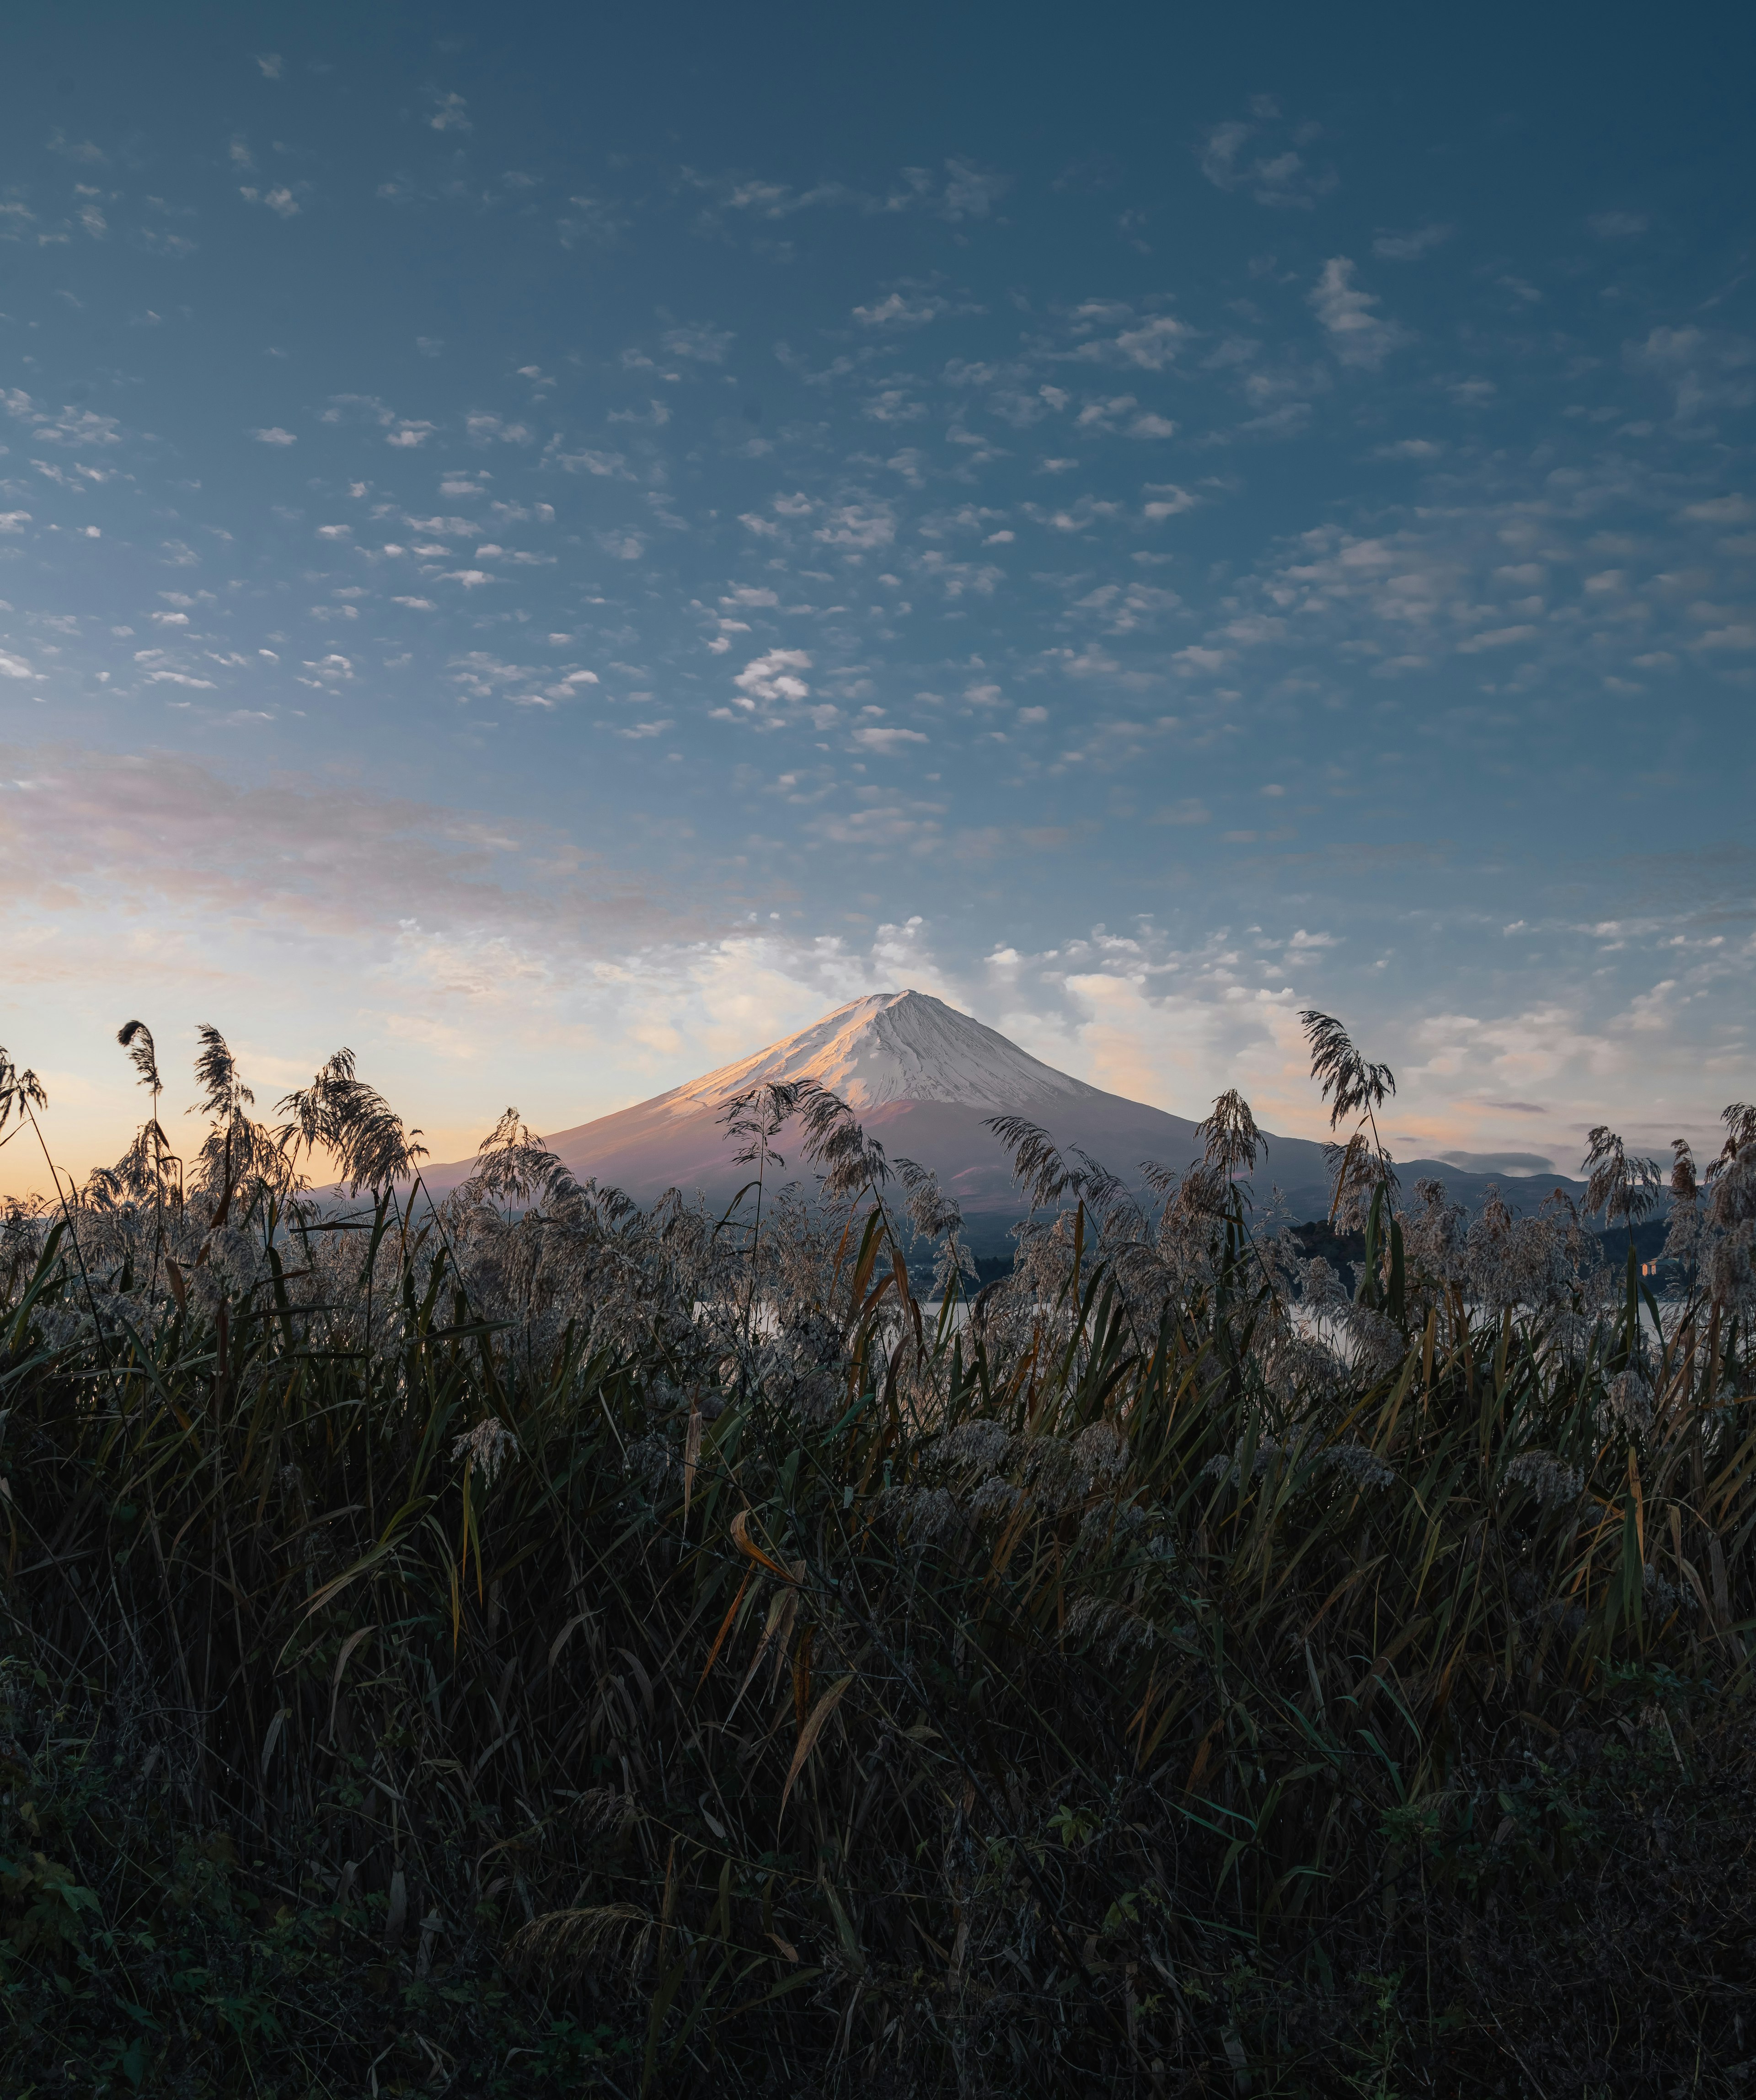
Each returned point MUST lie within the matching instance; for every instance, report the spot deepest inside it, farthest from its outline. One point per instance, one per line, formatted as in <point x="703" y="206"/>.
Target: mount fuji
<point x="924" y="1079"/>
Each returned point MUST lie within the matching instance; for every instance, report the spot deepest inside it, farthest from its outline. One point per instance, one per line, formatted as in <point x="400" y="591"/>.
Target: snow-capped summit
<point x="895" y="1046"/>
<point x="922" y="1079"/>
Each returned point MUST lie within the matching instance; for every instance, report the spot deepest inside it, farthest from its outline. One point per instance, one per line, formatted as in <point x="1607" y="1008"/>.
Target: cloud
<point x="1497" y="1163"/>
<point x="483" y="674"/>
<point x="857" y="527"/>
<point x="892" y="405"/>
<point x="1357" y="336"/>
<point x="332" y="884"/>
<point x="568" y="688"/>
<point x="885" y="741"/>
<point x="73" y="427"/>
<point x="273" y="435"/>
<point x="899" y="311"/>
<point x="1127" y="608"/>
<point x="882" y="828"/>
<point x="451" y="113"/>
<point x="610" y="466"/>
<point x="774" y="676"/>
<point x="1101" y="415"/>
<point x="1706" y="368"/>
<point x="1281" y="179"/>
<point x="1719" y="510"/>
<point x="594" y="221"/>
<point x="1090" y="176"/>
<point x="1150" y="344"/>
<point x="762" y="199"/>
<point x="1166" y="499"/>
<point x="1409" y="247"/>
<point x="269" y="64"/>
<point x="699" y="341"/>
<point x="657" y="414"/>
<point x="964" y="190"/>
<point x="1220" y="150"/>
<point x="483" y="428"/>
<point x="281" y="199"/>
<point x="82" y="150"/>
<point x="1079" y="516"/>
<point x="970" y="191"/>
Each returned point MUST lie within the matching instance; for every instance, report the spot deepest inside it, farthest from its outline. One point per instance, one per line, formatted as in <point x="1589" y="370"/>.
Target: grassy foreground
<point x="533" y="1647"/>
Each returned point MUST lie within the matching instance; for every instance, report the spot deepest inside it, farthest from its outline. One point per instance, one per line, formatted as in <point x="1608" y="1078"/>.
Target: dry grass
<point x="437" y="1659"/>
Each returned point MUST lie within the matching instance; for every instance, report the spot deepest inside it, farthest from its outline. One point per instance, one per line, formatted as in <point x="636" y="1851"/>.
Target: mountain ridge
<point x="924" y="1079"/>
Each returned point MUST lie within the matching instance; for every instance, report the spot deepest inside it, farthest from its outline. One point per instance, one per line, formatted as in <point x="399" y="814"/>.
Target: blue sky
<point x="552" y="547"/>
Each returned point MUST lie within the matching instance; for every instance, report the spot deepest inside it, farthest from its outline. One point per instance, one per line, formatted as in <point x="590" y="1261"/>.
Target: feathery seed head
<point x="136" y="1039"/>
<point x="1229" y="1136"/>
<point x="1349" y="1083"/>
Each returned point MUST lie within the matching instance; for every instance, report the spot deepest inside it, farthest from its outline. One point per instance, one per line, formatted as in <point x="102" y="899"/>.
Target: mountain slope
<point x="924" y="1079"/>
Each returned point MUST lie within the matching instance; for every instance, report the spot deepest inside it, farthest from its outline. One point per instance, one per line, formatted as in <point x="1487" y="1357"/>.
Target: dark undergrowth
<point x="743" y="1685"/>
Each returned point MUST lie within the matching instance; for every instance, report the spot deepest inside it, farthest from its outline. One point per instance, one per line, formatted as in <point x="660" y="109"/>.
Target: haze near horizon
<point x="554" y="550"/>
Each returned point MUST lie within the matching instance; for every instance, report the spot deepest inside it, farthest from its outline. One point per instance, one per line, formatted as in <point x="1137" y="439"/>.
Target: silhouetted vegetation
<point x="525" y="1644"/>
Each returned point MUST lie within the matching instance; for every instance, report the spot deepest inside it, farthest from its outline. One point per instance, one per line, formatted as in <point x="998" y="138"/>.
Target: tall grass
<point x="462" y="1649"/>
